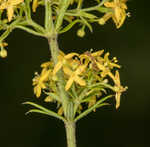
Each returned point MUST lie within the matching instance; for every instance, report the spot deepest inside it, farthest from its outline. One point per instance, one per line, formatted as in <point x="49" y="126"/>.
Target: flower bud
<point x="101" y="21"/>
<point x="80" y="33"/>
<point x="3" y="53"/>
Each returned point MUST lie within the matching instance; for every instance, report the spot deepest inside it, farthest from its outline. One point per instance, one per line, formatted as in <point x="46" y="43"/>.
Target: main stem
<point x="54" y="49"/>
<point x="70" y="132"/>
<point x="69" y="125"/>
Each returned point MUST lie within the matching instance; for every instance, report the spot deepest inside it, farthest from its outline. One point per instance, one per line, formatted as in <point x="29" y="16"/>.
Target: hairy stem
<point x="53" y="45"/>
<point x="70" y="133"/>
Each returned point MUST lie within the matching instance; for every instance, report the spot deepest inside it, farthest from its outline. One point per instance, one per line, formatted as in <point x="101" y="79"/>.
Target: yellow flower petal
<point x="80" y="81"/>
<point x="10" y="12"/>
<point x="117" y="78"/>
<point x="69" y="83"/>
<point x="60" y="111"/>
<point x="117" y="97"/>
<point x="15" y="2"/>
<point x="57" y="67"/>
<point x="45" y="64"/>
<point x="98" y="53"/>
<point x="34" y="5"/>
<point x="48" y="99"/>
<point x="109" y="4"/>
<point x="67" y="71"/>
<point x="118" y="12"/>
<point x="100" y="66"/>
<point x="69" y="56"/>
<point x="80" y="69"/>
<point x="44" y="75"/>
<point x="37" y="91"/>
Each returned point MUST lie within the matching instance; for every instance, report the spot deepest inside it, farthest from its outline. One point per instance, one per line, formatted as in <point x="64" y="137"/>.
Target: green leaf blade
<point x="44" y="111"/>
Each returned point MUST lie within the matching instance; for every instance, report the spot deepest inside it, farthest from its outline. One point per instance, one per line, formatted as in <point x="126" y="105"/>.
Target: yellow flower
<point x="119" y="89"/>
<point x="74" y="76"/>
<point x="39" y="81"/>
<point x="63" y="60"/>
<point x="119" y="14"/>
<point x="109" y="63"/>
<point x="10" y="5"/>
<point x="105" y="65"/>
<point x="90" y="57"/>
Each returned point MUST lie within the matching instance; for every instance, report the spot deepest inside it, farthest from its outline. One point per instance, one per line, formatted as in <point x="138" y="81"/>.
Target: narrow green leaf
<point x="47" y="111"/>
<point x="87" y="15"/>
<point x="103" y="104"/>
<point x="100" y="84"/>
<point x="37" y="111"/>
<point x="68" y="27"/>
<point x="86" y="112"/>
<point x="84" y="21"/>
<point x="103" y="9"/>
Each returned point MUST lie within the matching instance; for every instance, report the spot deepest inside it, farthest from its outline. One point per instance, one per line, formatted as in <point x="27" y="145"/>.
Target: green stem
<point x="36" y="26"/>
<point x="29" y="30"/>
<point x="54" y="49"/>
<point x="79" y="4"/>
<point x="95" y="7"/>
<point x="70" y="133"/>
<point x="27" y="9"/>
<point x="59" y="20"/>
<point x="48" y="16"/>
<point x="90" y="8"/>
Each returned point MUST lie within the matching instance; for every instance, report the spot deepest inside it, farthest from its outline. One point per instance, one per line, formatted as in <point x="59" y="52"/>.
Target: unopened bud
<point x="80" y="33"/>
<point x="101" y="21"/>
<point x="3" y="53"/>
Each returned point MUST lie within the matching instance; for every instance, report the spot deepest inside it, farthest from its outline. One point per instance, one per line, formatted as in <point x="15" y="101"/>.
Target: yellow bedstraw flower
<point x="90" y="57"/>
<point x="74" y="76"/>
<point x="10" y="5"/>
<point x="62" y="60"/>
<point x="119" y="89"/>
<point x="119" y="7"/>
<point x="109" y="63"/>
<point x="39" y="81"/>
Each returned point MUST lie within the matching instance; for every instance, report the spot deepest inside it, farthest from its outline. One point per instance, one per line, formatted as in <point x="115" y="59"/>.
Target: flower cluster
<point x="118" y="13"/>
<point x="87" y="77"/>
<point x="19" y="15"/>
<point x="10" y="6"/>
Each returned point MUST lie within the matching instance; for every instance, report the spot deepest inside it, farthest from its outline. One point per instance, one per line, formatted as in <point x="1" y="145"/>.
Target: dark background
<point x="127" y="127"/>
